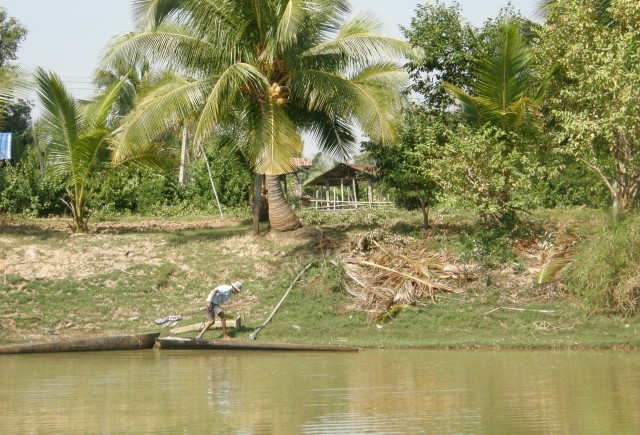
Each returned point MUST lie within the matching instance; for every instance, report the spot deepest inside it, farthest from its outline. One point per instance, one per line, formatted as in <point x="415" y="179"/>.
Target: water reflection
<point x="370" y="392"/>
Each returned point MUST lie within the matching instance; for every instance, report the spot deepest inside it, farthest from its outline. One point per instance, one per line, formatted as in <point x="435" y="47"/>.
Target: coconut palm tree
<point x="264" y="72"/>
<point x="78" y="140"/>
<point x="504" y="93"/>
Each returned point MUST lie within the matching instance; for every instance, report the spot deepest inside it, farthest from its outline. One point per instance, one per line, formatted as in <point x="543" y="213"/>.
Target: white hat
<point x="237" y="285"/>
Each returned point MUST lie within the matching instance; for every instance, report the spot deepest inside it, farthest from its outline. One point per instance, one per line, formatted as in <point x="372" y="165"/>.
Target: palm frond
<point x="148" y="155"/>
<point x="14" y="82"/>
<point x="148" y="14"/>
<point x="333" y="135"/>
<point x="238" y="78"/>
<point x="502" y="77"/>
<point x="554" y="263"/>
<point x="290" y="24"/>
<point x="275" y="141"/>
<point x="359" y="44"/>
<point x="159" y="111"/>
<point x="96" y="114"/>
<point x="77" y="149"/>
<point x="170" y="46"/>
<point x="470" y="107"/>
<point x="62" y="121"/>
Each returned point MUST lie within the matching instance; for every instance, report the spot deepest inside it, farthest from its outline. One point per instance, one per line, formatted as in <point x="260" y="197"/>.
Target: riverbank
<point x="449" y="286"/>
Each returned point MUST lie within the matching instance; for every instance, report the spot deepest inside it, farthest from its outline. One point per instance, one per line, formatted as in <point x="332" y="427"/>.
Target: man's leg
<point x="206" y="327"/>
<point x="223" y="319"/>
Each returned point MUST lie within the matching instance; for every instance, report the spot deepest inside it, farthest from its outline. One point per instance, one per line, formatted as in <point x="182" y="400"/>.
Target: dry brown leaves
<point x="383" y="273"/>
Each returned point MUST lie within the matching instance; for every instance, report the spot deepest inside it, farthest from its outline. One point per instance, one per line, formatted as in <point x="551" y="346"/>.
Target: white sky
<point x="67" y="36"/>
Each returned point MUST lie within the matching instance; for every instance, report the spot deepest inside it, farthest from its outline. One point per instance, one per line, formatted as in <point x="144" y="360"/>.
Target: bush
<point x="606" y="270"/>
<point x="24" y="190"/>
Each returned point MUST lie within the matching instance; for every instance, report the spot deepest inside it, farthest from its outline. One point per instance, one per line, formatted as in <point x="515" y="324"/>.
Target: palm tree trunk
<point x="257" y="194"/>
<point x="281" y="215"/>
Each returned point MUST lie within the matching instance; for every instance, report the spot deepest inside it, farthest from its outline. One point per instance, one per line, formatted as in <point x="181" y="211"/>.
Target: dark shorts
<point x="216" y="310"/>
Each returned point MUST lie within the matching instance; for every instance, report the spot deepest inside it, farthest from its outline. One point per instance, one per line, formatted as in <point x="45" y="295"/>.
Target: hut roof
<point x="343" y="171"/>
<point x="300" y="164"/>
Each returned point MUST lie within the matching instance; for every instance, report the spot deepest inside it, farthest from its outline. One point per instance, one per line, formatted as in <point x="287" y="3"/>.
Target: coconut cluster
<point x="278" y="94"/>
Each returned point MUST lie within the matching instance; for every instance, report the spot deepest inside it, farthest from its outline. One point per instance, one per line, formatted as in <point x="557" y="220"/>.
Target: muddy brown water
<point x="375" y="391"/>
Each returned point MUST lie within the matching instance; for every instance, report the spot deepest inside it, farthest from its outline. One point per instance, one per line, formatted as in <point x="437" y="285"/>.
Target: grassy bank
<point x="127" y="273"/>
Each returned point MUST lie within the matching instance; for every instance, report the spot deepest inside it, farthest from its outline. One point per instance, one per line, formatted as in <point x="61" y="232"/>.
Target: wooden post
<point x="183" y="154"/>
<point x="335" y="198"/>
<point x="355" y="192"/>
<point x="327" y="190"/>
<point x="370" y="192"/>
<point x="342" y="191"/>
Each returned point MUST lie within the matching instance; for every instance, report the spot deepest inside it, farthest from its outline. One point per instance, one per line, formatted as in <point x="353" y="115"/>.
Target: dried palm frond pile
<point x="404" y="275"/>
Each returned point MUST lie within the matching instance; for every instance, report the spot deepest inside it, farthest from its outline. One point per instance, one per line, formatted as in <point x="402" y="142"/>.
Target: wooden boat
<point x="116" y="342"/>
<point x="203" y="344"/>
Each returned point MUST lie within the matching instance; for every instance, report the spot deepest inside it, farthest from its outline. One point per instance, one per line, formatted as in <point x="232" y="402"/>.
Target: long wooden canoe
<point x="203" y="344"/>
<point x="116" y="342"/>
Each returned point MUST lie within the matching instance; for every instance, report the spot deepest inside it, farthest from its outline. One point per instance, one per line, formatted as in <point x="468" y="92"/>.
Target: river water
<point x="374" y="391"/>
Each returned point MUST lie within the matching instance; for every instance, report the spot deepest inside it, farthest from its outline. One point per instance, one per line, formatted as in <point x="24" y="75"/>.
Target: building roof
<point x="341" y="172"/>
<point x="301" y="162"/>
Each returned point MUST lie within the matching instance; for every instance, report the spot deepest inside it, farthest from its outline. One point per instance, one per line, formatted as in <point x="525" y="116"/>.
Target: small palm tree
<point x="263" y="72"/>
<point x="503" y="94"/>
<point x="78" y="141"/>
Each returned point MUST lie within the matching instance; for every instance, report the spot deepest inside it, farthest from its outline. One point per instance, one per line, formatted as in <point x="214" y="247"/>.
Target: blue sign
<point x="5" y="146"/>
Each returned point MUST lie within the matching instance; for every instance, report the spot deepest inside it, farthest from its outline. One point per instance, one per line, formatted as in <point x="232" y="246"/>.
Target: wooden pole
<point x="253" y="335"/>
<point x="213" y="186"/>
<point x="183" y="155"/>
<point x="355" y="192"/>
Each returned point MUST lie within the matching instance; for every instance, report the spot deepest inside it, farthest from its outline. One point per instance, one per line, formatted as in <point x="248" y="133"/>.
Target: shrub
<point x="605" y="272"/>
<point x="25" y="190"/>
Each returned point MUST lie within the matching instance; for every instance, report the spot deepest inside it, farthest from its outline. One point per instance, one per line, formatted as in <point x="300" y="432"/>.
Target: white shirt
<point x="224" y="293"/>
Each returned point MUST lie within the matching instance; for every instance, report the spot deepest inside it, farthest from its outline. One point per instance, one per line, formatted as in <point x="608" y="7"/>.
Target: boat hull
<point x="116" y="342"/>
<point x="202" y="344"/>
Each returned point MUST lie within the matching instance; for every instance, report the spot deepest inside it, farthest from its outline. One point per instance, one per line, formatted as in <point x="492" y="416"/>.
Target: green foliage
<point x="150" y="192"/>
<point x="77" y="141"/>
<point x="449" y="46"/>
<point x="25" y="190"/>
<point x="565" y="183"/>
<point x="490" y="247"/>
<point x="592" y="48"/>
<point x="12" y="33"/>
<point x="605" y="272"/>
<point x="230" y="176"/>
<point x="482" y="168"/>
<point x="406" y="168"/>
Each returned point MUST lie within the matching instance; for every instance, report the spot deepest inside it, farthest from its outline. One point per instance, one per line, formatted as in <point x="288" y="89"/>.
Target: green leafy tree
<point x="12" y="33"/>
<point x="406" y="167"/>
<point x="265" y="71"/>
<point x="450" y="45"/>
<point x="595" y="102"/>
<point x="13" y="79"/>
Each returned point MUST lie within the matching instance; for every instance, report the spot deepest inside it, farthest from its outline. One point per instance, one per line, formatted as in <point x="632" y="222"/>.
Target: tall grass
<point x="606" y="272"/>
